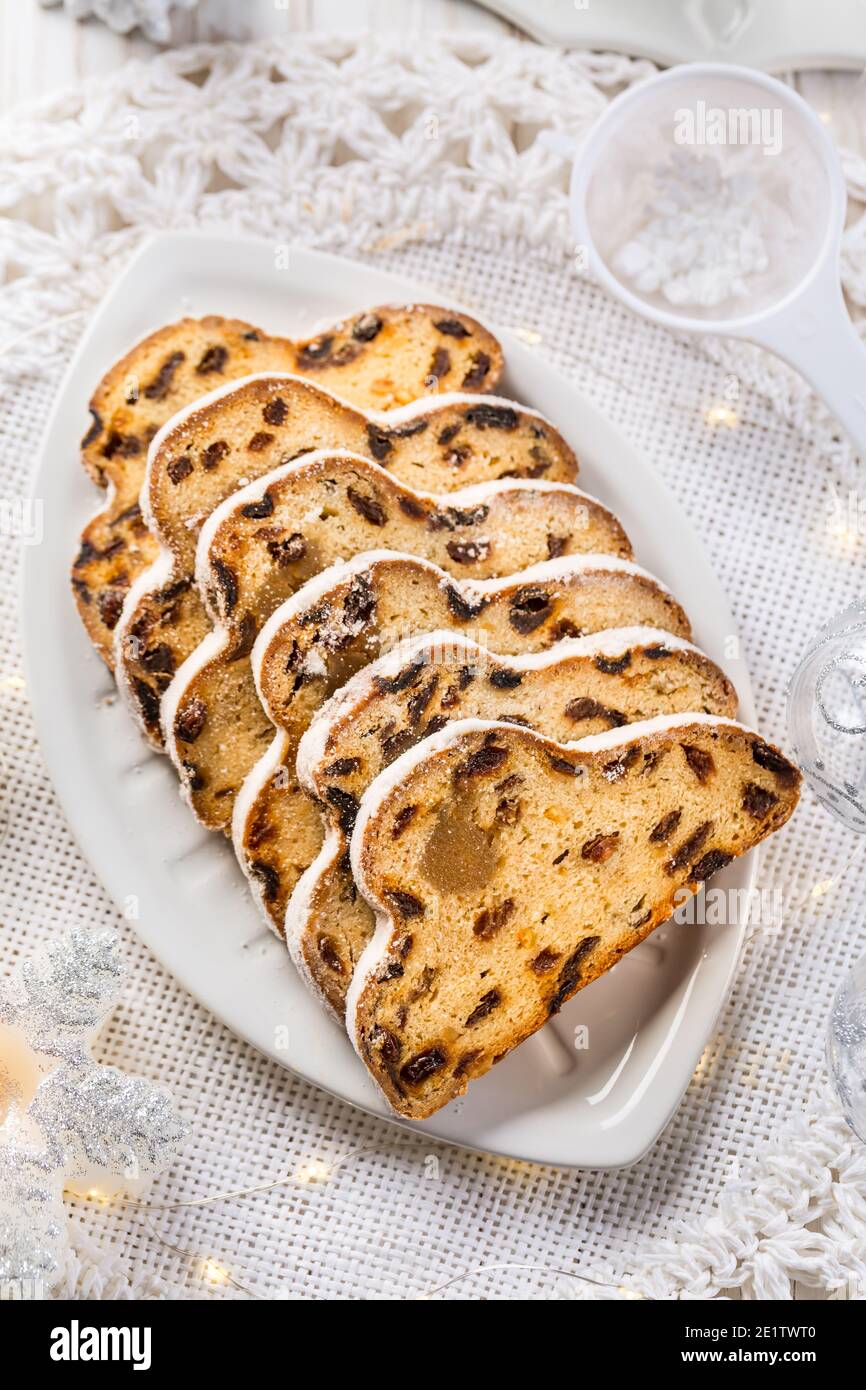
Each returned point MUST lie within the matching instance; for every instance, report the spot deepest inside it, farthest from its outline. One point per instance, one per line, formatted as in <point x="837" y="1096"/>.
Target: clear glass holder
<point x="827" y="728"/>
<point x="846" y="1047"/>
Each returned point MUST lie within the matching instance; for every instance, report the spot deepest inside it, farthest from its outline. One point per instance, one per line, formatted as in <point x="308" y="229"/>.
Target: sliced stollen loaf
<point x="383" y="357"/>
<point x="574" y="688"/>
<point x="485" y="925"/>
<point x="357" y="611"/>
<point x="265" y="540"/>
<point x="245" y="430"/>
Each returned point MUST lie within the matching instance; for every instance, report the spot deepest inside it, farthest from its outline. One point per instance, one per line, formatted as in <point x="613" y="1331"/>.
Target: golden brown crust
<point x="262" y="548"/>
<point x="266" y="422"/>
<point x="361" y="616"/>
<point x="570" y="697"/>
<point x="478" y="951"/>
<point x="128" y="407"/>
<point x="381" y="358"/>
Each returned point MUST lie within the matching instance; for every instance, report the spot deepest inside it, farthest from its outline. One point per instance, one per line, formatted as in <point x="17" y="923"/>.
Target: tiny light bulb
<point x="846" y="537"/>
<point x="316" y="1171"/>
<point x="214" y="1272"/>
<point x="722" y="414"/>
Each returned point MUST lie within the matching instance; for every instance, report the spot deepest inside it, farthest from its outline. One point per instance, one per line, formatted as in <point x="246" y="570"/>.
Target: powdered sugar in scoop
<point x="708" y="210"/>
<point x="701" y="239"/>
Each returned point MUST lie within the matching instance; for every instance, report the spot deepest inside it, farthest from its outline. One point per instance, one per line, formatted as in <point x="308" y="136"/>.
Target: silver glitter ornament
<point x="80" y="1122"/>
<point x="153" y="17"/>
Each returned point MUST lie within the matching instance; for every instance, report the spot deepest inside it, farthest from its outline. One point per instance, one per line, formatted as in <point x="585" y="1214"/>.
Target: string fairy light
<point x="41" y="328"/>
<point x="209" y="1200"/>
<point x="316" y="1172"/>
<point x="844" y="537"/>
<point x="824" y="886"/>
<point x="313" y="1172"/>
<point x="214" y="1273"/>
<point x="209" y="1269"/>
<point x="845" y="520"/>
<point x="528" y="335"/>
<point x="621" y="1289"/>
<point x="721" y="413"/>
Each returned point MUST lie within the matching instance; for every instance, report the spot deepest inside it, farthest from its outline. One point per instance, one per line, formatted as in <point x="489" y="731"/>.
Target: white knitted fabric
<point x="424" y="158"/>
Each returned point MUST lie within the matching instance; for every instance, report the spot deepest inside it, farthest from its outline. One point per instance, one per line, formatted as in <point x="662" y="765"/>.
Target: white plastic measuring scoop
<point x="772" y="144"/>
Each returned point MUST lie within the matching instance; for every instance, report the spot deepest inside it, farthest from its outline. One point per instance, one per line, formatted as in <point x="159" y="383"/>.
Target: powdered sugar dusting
<point x="701" y="241"/>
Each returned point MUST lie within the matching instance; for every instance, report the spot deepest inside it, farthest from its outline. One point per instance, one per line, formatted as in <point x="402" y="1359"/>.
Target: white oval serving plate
<point x="646" y="1022"/>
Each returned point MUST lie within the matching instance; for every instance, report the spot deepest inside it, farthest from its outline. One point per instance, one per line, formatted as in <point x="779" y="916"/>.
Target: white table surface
<point x="42" y="51"/>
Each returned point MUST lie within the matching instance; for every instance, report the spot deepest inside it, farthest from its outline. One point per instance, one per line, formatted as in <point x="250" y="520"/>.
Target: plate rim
<point x="85" y="830"/>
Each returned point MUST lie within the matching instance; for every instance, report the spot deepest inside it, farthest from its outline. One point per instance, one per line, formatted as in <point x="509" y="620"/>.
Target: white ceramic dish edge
<point x="116" y="831"/>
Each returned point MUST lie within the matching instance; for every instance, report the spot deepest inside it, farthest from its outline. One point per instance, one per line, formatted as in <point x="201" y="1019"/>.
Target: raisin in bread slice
<point x="485" y="927"/>
<point x="381" y="358"/>
<point x="357" y="611"/>
<point x="574" y="688"/>
<point x="262" y="543"/>
<point x="245" y="430"/>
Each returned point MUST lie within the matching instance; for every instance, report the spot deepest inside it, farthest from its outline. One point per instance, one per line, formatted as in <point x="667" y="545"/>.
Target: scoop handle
<point x="815" y="335"/>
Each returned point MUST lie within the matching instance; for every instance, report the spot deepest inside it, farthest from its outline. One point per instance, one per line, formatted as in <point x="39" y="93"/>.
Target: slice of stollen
<point x="485" y="926"/>
<point x="355" y="612"/>
<point x="266" y="540"/>
<point x="247" y="429"/>
<point x="576" y="687"/>
<point x="381" y="358"/>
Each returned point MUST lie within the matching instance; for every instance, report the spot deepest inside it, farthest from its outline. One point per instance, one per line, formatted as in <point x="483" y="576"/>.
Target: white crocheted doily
<point x="424" y="158"/>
